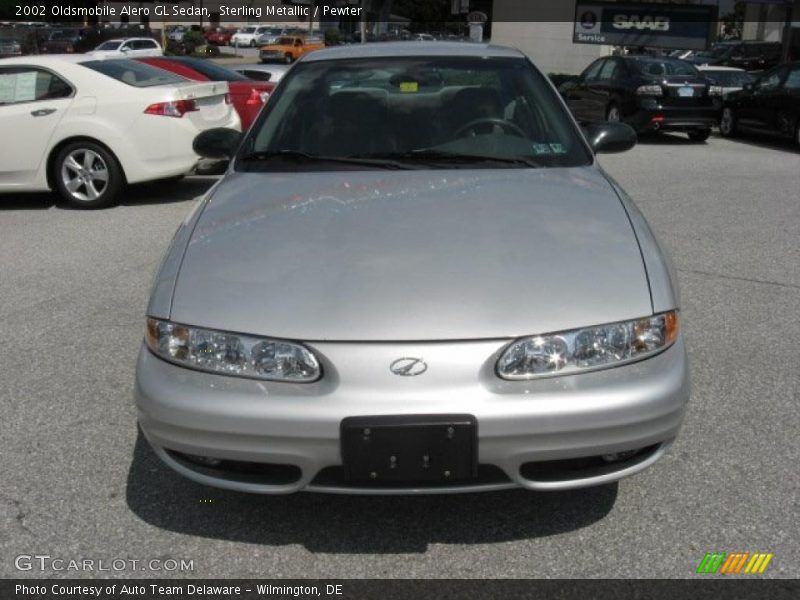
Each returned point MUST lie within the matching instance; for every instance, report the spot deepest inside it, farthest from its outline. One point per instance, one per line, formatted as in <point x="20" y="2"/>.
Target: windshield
<point x="664" y="66"/>
<point x="133" y="72"/>
<point x="247" y="30"/>
<point x="284" y="41"/>
<point x="419" y="112"/>
<point x="212" y="71"/>
<point x="63" y="35"/>
<point x="729" y="78"/>
<point x="109" y="45"/>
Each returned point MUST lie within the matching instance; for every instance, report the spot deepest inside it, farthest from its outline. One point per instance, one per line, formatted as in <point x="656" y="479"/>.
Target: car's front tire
<point x="288" y="58"/>
<point x="699" y="135"/>
<point x="87" y="175"/>
<point x="252" y="43"/>
<point x="727" y="122"/>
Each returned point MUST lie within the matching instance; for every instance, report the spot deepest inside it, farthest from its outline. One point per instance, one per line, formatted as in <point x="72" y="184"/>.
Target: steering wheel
<point x="510" y="127"/>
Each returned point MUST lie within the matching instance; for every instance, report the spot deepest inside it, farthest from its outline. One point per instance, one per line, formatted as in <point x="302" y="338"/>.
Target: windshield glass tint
<point x="664" y="66"/>
<point x="729" y="78"/>
<point x="109" y="46"/>
<point x="133" y="73"/>
<point x="499" y="108"/>
<point x="212" y="71"/>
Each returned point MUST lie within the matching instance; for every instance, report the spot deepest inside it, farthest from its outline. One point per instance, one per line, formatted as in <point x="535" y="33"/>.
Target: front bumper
<point x="670" y="118"/>
<point x="521" y="424"/>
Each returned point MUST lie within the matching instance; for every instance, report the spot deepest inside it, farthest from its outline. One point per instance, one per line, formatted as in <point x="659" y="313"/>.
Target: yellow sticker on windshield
<point x="409" y="86"/>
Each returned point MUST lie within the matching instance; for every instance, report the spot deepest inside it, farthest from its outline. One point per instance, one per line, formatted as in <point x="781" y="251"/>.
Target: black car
<point x="769" y="105"/>
<point x="649" y="93"/>
<point x="750" y="56"/>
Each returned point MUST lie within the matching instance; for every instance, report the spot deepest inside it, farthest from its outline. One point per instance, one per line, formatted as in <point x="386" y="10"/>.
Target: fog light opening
<point x="206" y="461"/>
<point x="619" y="456"/>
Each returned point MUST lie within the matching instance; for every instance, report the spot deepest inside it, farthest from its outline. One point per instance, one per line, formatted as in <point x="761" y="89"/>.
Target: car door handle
<point x="43" y="112"/>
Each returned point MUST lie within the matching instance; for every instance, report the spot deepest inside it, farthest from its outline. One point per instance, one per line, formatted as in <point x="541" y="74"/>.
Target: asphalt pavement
<point x="78" y="482"/>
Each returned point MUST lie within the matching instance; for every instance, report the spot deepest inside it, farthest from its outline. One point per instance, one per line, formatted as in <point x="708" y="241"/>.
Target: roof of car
<point x="400" y="49"/>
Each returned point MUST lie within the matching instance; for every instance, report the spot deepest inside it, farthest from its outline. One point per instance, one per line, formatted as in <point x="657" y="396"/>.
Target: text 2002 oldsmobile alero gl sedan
<point x="414" y="278"/>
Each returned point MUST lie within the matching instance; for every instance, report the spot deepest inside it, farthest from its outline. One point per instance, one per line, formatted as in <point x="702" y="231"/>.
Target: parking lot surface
<point x="79" y="482"/>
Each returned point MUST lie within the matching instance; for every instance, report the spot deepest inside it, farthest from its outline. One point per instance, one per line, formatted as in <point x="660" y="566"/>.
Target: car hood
<point x="411" y="255"/>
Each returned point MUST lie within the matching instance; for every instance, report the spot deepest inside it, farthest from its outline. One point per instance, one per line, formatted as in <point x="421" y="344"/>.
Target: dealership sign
<point x="641" y="24"/>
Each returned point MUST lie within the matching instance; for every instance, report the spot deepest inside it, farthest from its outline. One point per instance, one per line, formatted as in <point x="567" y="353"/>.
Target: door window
<point x="771" y="80"/>
<point x="30" y="85"/>
<point x="609" y="71"/>
<point x="793" y="81"/>
<point x="593" y="70"/>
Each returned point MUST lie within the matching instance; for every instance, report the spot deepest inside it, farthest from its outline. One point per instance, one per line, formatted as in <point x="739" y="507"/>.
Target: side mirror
<point x="219" y="143"/>
<point x="610" y="138"/>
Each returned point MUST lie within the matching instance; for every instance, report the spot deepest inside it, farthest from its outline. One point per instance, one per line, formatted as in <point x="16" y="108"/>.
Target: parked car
<point x="770" y="105"/>
<point x="247" y="95"/>
<point x="725" y="80"/>
<point x="248" y="36"/>
<point x="176" y="33"/>
<point x="270" y="36"/>
<point x="272" y="72"/>
<point x="10" y="47"/>
<point x="289" y="48"/>
<point x="220" y="36"/>
<point x="127" y="48"/>
<point x="62" y="41"/>
<point x="649" y="93"/>
<point x="86" y="127"/>
<point x="747" y="55"/>
<point x="414" y="278"/>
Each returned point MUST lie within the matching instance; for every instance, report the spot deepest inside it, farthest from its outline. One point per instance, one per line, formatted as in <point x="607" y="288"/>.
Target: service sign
<point x="654" y="25"/>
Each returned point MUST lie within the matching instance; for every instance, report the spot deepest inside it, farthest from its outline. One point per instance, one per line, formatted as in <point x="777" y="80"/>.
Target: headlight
<point x="231" y="353"/>
<point x="587" y="349"/>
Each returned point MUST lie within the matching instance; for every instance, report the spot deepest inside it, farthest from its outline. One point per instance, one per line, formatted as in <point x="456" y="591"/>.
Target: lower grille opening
<point x="335" y="477"/>
<point x="584" y="467"/>
<point x="237" y="470"/>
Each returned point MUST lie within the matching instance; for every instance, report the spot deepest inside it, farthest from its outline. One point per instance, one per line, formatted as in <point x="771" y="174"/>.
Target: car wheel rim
<point x="613" y="114"/>
<point x="84" y="174"/>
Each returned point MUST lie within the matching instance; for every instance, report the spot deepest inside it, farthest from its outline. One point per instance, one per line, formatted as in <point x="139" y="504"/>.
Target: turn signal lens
<point x="176" y="108"/>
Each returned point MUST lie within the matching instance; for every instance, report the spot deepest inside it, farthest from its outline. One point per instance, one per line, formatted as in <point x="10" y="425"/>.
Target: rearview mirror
<point x="218" y="143"/>
<point x="610" y="138"/>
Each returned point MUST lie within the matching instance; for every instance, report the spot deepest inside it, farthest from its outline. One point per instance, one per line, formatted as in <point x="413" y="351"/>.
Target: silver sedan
<point x="413" y="278"/>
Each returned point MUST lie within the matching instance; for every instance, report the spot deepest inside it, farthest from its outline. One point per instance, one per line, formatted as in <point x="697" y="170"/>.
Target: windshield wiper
<point x="431" y="155"/>
<point x="296" y="155"/>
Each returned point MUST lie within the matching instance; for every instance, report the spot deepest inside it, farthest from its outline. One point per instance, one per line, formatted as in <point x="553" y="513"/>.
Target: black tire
<point x="727" y="122"/>
<point x="252" y="43"/>
<point x="288" y="58"/>
<point x="699" y="135"/>
<point x="87" y="175"/>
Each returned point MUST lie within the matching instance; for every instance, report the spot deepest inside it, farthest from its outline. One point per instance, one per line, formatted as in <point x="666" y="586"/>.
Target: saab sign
<point x="689" y="26"/>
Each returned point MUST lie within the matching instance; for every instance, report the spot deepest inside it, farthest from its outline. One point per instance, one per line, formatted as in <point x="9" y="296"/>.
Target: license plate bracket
<point x="410" y="448"/>
<point x="686" y="91"/>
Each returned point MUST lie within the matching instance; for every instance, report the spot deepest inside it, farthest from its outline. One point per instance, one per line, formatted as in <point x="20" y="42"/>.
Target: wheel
<point x="288" y="58"/>
<point x="612" y="114"/>
<point x="699" y="135"/>
<point x="252" y="43"/>
<point x="727" y="123"/>
<point x="87" y="175"/>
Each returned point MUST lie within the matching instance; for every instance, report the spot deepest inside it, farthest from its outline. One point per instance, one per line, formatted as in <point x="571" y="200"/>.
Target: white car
<point x="128" y="48"/>
<point x="249" y="36"/>
<point x="86" y="127"/>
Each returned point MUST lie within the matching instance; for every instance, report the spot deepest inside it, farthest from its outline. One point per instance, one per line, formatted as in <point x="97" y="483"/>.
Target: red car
<point x="247" y="95"/>
<point x="220" y="36"/>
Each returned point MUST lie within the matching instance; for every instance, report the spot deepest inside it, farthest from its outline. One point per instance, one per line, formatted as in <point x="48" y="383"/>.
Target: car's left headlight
<point x="589" y="348"/>
<point x="231" y="353"/>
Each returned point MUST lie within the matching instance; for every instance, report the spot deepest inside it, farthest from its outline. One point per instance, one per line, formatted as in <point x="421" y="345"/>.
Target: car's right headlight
<point x="231" y="353"/>
<point x="589" y="348"/>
